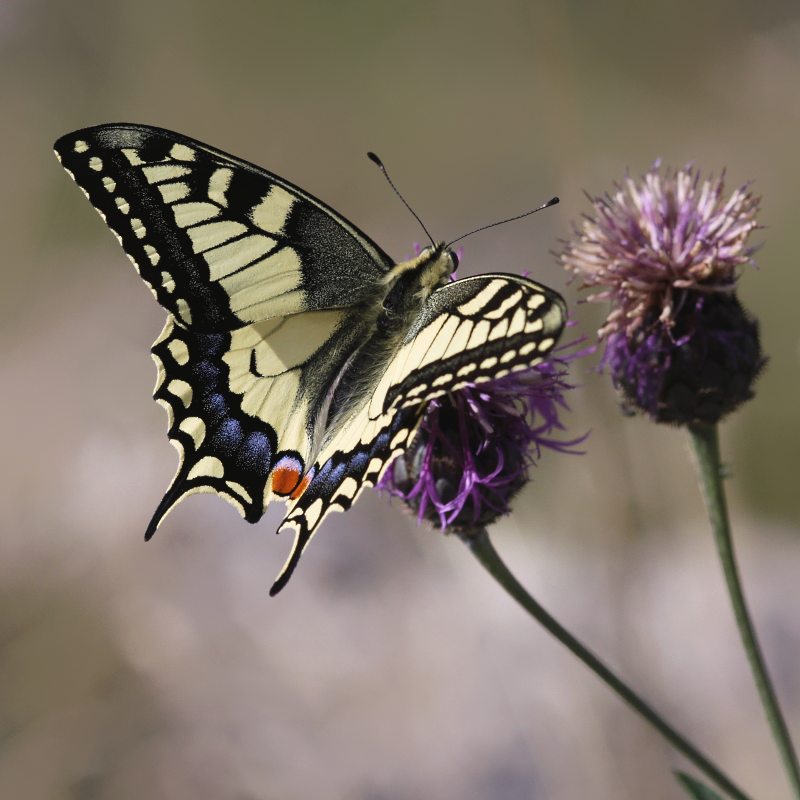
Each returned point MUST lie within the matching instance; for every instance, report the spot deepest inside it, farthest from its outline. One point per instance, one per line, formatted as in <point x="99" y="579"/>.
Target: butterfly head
<point x="439" y="256"/>
<point x="433" y="267"/>
<point x="448" y="254"/>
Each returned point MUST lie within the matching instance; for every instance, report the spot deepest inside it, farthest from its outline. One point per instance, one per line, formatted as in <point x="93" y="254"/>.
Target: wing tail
<point x="197" y="477"/>
<point x="344" y="474"/>
<point x="302" y="537"/>
<point x="168" y="502"/>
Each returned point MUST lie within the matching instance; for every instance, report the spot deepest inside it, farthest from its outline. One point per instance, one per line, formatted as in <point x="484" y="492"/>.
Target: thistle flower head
<point x="665" y="251"/>
<point x="475" y="447"/>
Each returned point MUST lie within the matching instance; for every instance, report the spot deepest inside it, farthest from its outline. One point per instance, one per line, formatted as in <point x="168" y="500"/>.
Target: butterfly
<point x="297" y="358"/>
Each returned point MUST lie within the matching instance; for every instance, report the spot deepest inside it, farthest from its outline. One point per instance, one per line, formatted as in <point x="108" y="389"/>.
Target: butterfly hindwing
<point x="245" y="406"/>
<point x="219" y="241"/>
<point x="470" y="331"/>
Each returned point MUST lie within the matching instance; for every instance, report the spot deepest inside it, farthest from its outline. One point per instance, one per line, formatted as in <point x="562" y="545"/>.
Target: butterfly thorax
<point x="408" y="286"/>
<point x="428" y="271"/>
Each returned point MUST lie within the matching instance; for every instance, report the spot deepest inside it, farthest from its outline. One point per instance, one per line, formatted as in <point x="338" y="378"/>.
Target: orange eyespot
<point x="301" y="487"/>
<point x="286" y="475"/>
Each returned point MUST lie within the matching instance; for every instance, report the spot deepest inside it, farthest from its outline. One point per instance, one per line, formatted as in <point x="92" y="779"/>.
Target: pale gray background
<point x="391" y="668"/>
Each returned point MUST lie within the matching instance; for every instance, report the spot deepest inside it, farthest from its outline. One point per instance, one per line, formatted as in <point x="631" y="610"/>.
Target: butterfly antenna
<point x="373" y="157"/>
<point x="503" y="221"/>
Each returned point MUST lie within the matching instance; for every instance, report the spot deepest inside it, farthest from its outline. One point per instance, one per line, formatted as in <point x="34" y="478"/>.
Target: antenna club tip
<point x="372" y="157"/>
<point x="553" y="202"/>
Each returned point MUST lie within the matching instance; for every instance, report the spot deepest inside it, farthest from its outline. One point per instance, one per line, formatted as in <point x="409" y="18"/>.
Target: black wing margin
<point x="220" y="242"/>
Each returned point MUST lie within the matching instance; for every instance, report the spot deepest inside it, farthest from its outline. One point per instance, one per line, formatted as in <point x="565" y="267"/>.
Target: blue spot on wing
<point x="255" y="454"/>
<point x="334" y="477"/>
<point x="205" y="374"/>
<point x="380" y="444"/>
<point x="359" y="461"/>
<point x="210" y="344"/>
<point x="215" y="407"/>
<point x="228" y="437"/>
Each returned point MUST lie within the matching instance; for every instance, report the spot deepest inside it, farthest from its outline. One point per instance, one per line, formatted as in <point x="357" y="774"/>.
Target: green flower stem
<point x="481" y="546"/>
<point x="705" y="442"/>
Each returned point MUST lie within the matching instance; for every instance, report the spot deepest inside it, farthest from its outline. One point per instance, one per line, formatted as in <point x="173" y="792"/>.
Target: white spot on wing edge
<point x="182" y="152"/>
<point x="95" y="163"/>
<point x="160" y="376"/>
<point x="169" y="326"/>
<point x="466" y="370"/>
<point x="240" y="490"/>
<point x="179" y="351"/>
<point x="162" y="373"/>
<point x="194" y="427"/>
<point x="152" y="254"/>
<point x="181" y="389"/>
<point x="207" y="466"/>
<point x="81" y="146"/>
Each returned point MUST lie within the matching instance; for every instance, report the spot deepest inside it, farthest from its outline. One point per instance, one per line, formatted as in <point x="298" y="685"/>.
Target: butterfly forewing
<point x="470" y="331"/>
<point x="219" y="241"/>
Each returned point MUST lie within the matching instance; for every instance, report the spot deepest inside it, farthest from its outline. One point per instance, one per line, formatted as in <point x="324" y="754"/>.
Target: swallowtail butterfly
<point x="297" y="358"/>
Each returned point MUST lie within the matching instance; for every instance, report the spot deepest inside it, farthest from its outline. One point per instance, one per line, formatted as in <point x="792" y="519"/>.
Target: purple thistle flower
<point x="666" y="253"/>
<point x="475" y="447"/>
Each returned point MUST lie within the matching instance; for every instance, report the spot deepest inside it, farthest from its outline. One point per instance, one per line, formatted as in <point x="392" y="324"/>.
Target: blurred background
<point x="391" y="667"/>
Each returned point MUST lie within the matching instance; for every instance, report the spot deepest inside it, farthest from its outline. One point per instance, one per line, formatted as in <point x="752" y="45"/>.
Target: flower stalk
<point x="705" y="443"/>
<point x="481" y="546"/>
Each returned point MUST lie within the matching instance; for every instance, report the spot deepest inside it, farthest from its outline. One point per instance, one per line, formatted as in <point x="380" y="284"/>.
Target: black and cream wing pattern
<point x="297" y="357"/>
